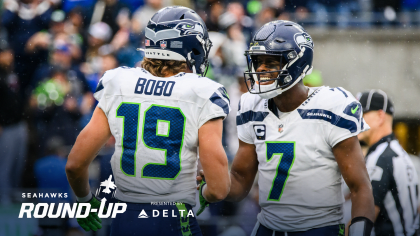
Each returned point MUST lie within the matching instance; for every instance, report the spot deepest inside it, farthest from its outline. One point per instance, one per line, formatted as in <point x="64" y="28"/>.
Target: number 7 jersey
<point x="155" y="123"/>
<point x="298" y="176"/>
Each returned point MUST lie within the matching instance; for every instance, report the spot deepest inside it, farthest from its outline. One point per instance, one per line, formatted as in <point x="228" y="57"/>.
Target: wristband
<point x="360" y="226"/>
<point x="84" y="199"/>
<point x="203" y="202"/>
<point x="201" y="191"/>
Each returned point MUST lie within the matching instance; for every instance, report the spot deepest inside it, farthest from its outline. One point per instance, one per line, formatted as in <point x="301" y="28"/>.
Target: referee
<point x="393" y="176"/>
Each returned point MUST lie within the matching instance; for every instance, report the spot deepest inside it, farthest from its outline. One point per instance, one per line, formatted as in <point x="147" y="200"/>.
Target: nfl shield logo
<point x="147" y="43"/>
<point x="163" y="44"/>
<point x="280" y="128"/>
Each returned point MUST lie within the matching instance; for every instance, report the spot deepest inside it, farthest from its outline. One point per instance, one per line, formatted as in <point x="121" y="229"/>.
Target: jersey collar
<point x="273" y="108"/>
<point x="387" y="138"/>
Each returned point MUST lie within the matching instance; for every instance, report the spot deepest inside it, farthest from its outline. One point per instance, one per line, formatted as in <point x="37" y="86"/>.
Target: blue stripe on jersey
<point x="248" y="116"/>
<point x="345" y="94"/>
<point x="99" y="87"/>
<point x="224" y="93"/>
<point x="353" y="109"/>
<point x="328" y="116"/>
<point x="216" y="99"/>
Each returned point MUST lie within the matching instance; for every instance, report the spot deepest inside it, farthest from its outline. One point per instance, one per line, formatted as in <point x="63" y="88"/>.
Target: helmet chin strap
<point x="274" y="92"/>
<point x="189" y="62"/>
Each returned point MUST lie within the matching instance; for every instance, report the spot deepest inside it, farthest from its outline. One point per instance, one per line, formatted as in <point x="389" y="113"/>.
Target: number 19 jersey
<point x="298" y="176"/>
<point x="155" y="123"/>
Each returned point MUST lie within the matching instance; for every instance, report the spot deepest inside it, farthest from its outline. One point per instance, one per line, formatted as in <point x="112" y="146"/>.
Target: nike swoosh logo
<point x="353" y="110"/>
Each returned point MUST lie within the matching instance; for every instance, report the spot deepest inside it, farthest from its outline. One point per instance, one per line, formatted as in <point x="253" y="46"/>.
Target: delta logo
<point x="165" y="213"/>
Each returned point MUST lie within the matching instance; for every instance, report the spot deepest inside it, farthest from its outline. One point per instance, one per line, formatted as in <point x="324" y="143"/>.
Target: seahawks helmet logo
<point x="304" y="40"/>
<point x="190" y="28"/>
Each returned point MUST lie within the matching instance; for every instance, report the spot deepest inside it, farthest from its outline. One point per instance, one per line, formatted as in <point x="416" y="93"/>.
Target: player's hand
<point x="92" y="221"/>
<point x="199" y="178"/>
<point x="203" y="202"/>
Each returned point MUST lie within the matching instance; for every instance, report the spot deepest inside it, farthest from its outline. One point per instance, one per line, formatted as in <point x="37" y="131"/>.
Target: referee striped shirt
<point x="395" y="188"/>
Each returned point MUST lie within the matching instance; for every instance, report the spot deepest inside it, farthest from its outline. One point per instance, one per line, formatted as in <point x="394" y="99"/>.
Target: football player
<point x="159" y="114"/>
<point x="300" y="140"/>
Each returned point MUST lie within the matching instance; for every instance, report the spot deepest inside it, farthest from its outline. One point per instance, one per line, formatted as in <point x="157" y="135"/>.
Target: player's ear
<point x="381" y="117"/>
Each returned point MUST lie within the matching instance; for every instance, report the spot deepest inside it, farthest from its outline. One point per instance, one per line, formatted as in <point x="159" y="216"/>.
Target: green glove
<point x="203" y="202"/>
<point x="92" y="221"/>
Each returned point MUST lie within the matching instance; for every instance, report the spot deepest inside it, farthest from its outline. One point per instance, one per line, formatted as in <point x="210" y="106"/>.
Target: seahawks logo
<point x="190" y="28"/>
<point x="304" y="40"/>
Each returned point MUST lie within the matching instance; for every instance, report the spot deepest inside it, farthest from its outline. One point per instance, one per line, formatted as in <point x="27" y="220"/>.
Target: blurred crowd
<point x="53" y="53"/>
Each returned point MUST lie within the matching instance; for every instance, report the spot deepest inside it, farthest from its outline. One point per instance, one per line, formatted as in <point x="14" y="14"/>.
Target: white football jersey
<point x="155" y="123"/>
<point x="299" y="179"/>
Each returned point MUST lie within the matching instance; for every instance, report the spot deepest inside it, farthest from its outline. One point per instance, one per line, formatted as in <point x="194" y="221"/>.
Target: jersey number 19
<point x="163" y="129"/>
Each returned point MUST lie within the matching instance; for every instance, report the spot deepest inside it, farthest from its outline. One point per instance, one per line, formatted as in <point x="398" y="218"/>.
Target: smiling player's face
<point x="267" y="64"/>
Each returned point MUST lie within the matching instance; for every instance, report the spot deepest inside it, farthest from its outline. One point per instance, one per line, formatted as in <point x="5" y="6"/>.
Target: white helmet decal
<point x="304" y="40"/>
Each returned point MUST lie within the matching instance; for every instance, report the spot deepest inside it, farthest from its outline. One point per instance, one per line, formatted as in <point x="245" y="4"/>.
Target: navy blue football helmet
<point x="178" y="33"/>
<point x="294" y="48"/>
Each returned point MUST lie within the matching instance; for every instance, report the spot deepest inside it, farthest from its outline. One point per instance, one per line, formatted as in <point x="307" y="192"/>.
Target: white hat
<point x="101" y="31"/>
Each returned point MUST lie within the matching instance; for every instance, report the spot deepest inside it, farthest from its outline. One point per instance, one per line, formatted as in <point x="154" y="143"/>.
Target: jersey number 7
<point x="173" y="122"/>
<point x="286" y="153"/>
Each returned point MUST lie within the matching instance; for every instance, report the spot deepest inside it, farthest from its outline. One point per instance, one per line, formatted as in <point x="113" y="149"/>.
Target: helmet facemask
<point x="294" y="48"/>
<point x="197" y="64"/>
<point x="274" y="70"/>
<point x="284" y="79"/>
